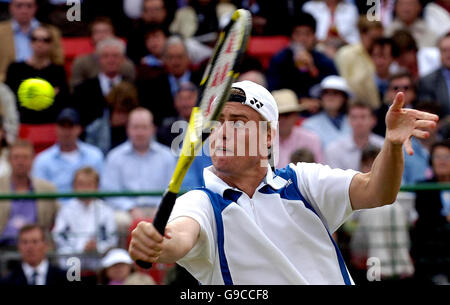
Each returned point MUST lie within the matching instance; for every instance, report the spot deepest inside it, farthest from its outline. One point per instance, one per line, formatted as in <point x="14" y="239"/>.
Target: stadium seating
<point x="264" y="47"/>
<point x="42" y="136"/>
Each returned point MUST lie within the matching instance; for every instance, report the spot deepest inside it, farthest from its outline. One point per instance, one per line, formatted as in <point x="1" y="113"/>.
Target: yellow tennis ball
<point x="36" y="94"/>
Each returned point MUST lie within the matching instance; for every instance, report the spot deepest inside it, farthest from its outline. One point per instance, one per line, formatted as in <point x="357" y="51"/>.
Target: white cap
<point x="116" y="256"/>
<point x="336" y="83"/>
<point x="259" y="98"/>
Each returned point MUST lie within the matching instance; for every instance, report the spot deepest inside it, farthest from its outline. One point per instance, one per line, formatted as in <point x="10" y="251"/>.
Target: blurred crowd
<point x="117" y="110"/>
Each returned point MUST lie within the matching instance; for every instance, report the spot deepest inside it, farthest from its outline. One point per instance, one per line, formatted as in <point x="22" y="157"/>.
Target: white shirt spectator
<point x="437" y="18"/>
<point x="343" y="153"/>
<point x="345" y="19"/>
<point x="38" y="274"/>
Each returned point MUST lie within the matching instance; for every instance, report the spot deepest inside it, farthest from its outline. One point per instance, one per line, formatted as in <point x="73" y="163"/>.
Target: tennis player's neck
<point x="246" y="182"/>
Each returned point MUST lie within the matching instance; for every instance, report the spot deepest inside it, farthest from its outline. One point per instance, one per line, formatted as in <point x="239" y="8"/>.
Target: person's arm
<point x="381" y="185"/>
<point x="180" y="237"/>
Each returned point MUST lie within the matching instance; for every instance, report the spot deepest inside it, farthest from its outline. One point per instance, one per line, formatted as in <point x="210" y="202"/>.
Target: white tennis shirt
<point x="281" y="236"/>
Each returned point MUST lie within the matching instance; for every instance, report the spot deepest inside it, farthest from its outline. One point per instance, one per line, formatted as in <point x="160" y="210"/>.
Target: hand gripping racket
<point x="220" y="73"/>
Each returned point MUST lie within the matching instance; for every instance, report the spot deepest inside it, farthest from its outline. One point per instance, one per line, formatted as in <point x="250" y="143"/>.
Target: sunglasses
<point x="401" y="88"/>
<point x="41" y="39"/>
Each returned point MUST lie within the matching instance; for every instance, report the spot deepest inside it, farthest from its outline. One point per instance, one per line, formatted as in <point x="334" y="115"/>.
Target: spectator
<point x="332" y="121"/>
<point x="437" y="16"/>
<point x="59" y="162"/>
<point x="157" y="94"/>
<point x="300" y="66"/>
<point x="90" y="96"/>
<point x="15" y="33"/>
<point x="255" y="76"/>
<point x="335" y="18"/>
<point x="5" y="168"/>
<point x="14" y="214"/>
<point x="345" y="153"/>
<point x="418" y="62"/>
<point x="404" y="82"/>
<point x="293" y="137"/>
<point x="137" y="165"/>
<point x="8" y="108"/>
<point x="85" y="225"/>
<point x="417" y="166"/>
<point x="383" y="53"/>
<point x="40" y="65"/>
<point x="356" y="66"/>
<point x="35" y="268"/>
<point x="383" y="233"/>
<point x="408" y="17"/>
<point x="153" y="12"/>
<point x="431" y="232"/>
<point x="383" y="11"/>
<point x="117" y="269"/>
<point x="198" y="18"/>
<point x="87" y="66"/>
<point x="436" y="85"/>
<point x="109" y="131"/>
<point x="155" y="40"/>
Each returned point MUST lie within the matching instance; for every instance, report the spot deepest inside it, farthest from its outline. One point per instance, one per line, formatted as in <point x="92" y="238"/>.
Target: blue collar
<point x="16" y="27"/>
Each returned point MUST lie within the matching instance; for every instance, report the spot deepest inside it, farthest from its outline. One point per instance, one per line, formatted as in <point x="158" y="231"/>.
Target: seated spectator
<point x="59" y="162"/>
<point x="382" y="54"/>
<point x="417" y="166"/>
<point x="436" y="85"/>
<point x="408" y="17"/>
<point x="89" y="97"/>
<point x="140" y="164"/>
<point x="345" y="153"/>
<point x="382" y="233"/>
<point x="35" y="268"/>
<point x="418" y="62"/>
<point x="437" y="16"/>
<point x="293" y="137"/>
<point x="153" y="12"/>
<point x="109" y="131"/>
<point x="14" y="214"/>
<point x="332" y="122"/>
<point x="16" y="36"/>
<point x="356" y="66"/>
<point x="5" y="168"/>
<point x="300" y="66"/>
<point x="255" y="76"/>
<point x="155" y="40"/>
<point x="8" y="109"/>
<point x="198" y="18"/>
<point x="40" y="65"/>
<point x="157" y="93"/>
<point x="117" y="269"/>
<point x="430" y="235"/>
<point x="85" y="225"/>
<point x="335" y="18"/>
<point x="87" y="66"/>
<point x="403" y="82"/>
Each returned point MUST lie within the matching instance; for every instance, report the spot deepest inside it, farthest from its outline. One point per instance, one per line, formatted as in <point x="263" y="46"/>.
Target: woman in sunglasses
<point x="40" y="65"/>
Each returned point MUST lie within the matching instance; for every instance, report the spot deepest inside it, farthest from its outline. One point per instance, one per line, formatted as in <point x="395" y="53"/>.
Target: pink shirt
<point x="299" y="138"/>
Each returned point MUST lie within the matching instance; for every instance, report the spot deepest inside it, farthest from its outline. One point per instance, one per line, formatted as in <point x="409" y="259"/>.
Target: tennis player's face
<point x="239" y="143"/>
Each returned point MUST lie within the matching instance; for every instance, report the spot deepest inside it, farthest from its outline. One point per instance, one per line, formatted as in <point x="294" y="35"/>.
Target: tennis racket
<point x="221" y="71"/>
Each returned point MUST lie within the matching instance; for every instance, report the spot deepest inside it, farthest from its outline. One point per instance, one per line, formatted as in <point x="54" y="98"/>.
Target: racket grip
<point x="161" y="218"/>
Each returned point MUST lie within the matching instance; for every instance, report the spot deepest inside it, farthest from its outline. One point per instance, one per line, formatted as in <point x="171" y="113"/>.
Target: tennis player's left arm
<point x="381" y="185"/>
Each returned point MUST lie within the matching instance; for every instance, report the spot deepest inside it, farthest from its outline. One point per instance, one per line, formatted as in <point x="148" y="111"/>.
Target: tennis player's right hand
<point x="146" y="243"/>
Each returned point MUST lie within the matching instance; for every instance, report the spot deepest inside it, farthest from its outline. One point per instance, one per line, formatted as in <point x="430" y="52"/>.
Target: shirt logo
<point x="256" y="103"/>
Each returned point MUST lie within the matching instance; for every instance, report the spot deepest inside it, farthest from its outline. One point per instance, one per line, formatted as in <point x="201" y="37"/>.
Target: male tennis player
<point x="251" y="225"/>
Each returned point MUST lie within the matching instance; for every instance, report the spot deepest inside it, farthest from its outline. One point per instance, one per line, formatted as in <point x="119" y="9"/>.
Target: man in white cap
<point x="252" y="225"/>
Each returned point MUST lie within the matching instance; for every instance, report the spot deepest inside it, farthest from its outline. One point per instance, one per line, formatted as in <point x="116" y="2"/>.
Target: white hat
<point x="116" y="256"/>
<point x="333" y="82"/>
<point x="259" y="98"/>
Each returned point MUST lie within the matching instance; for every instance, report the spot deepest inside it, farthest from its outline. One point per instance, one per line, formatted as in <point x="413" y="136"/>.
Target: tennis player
<point x="252" y="225"/>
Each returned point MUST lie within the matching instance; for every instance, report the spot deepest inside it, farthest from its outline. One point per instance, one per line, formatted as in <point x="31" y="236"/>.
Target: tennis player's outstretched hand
<point x="146" y="242"/>
<point x="402" y="123"/>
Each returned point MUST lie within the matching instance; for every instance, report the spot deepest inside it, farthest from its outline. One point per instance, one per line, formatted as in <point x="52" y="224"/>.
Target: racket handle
<point x="161" y="218"/>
